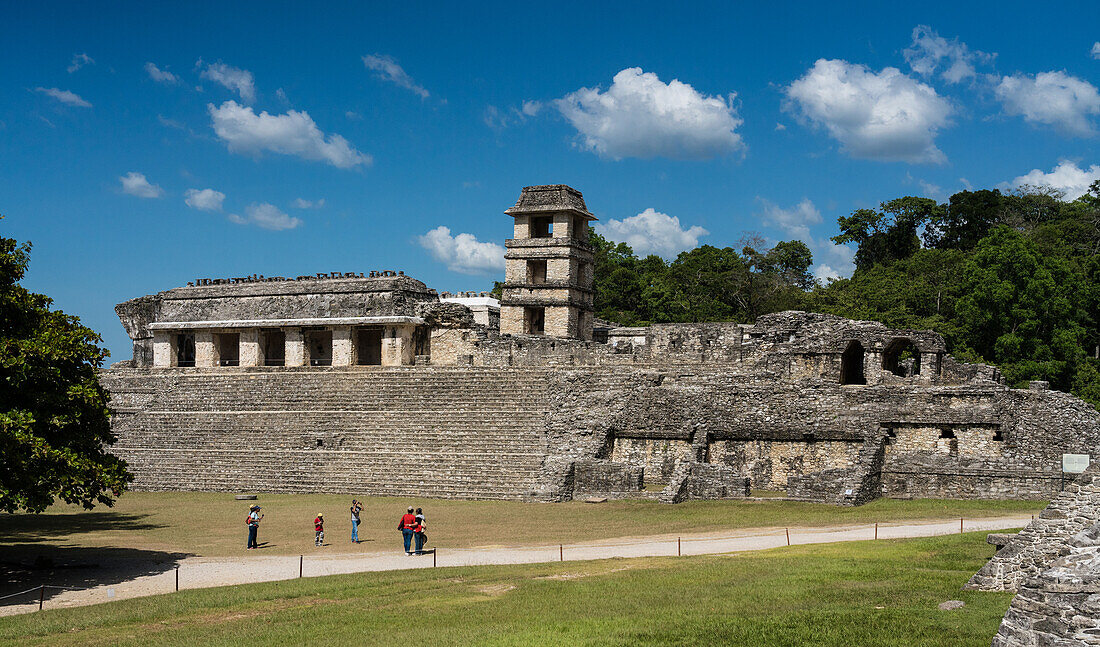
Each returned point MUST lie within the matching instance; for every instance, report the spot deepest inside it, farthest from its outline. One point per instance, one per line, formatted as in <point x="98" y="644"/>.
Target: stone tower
<point x="548" y="265"/>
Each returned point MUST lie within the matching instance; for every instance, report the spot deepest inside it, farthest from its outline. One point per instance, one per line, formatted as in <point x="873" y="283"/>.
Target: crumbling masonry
<point x="346" y="382"/>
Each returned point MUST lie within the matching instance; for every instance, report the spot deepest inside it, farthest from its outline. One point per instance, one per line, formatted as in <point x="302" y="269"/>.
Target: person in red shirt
<point x="407" y="526"/>
<point x="319" y="529"/>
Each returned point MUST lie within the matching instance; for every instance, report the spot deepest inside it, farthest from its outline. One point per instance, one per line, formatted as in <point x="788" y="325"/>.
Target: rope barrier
<point x="4" y="597"/>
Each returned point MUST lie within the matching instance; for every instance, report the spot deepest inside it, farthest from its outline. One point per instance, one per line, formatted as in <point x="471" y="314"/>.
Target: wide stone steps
<point x="462" y="433"/>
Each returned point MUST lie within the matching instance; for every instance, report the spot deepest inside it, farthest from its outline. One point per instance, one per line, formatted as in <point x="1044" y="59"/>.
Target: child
<point x="319" y="529"/>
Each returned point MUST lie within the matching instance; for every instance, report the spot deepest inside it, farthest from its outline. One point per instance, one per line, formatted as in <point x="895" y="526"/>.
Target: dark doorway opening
<point x="229" y="348"/>
<point x="185" y="349"/>
<point x="851" y="364"/>
<point x="274" y="347"/>
<point x="319" y="343"/>
<point x="369" y="341"/>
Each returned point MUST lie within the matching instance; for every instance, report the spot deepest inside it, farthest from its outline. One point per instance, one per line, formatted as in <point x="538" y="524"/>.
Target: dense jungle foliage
<point x="1011" y="280"/>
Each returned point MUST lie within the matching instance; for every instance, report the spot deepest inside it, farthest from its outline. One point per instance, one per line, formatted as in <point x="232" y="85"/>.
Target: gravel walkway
<point x="203" y="572"/>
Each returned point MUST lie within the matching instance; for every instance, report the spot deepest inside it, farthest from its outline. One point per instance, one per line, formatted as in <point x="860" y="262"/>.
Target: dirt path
<point x="203" y="572"/>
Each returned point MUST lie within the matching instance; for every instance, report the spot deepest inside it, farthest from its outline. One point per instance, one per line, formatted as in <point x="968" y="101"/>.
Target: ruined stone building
<point x="372" y="383"/>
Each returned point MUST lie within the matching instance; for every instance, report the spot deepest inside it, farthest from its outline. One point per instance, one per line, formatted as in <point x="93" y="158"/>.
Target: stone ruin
<point x="374" y="383"/>
<point x="1053" y="565"/>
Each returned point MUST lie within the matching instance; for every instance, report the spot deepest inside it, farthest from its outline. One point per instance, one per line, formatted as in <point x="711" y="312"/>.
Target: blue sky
<point x="144" y="145"/>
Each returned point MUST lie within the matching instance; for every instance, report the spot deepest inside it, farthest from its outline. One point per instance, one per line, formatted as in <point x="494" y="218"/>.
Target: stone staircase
<point x="425" y="431"/>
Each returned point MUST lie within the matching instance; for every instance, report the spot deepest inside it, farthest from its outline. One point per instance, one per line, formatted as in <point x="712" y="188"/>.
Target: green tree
<point x="888" y="234"/>
<point x="54" y="425"/>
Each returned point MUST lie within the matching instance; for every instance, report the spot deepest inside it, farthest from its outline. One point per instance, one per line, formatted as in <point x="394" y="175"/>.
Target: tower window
<point x="536" y="272"/>
<point x="534" y="320"/>
<point x="540" y="226"/>
<point x="947" y="433"/>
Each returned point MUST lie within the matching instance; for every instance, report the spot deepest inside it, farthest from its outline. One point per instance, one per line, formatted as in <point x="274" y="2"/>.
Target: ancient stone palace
<point x="374" y="383"/>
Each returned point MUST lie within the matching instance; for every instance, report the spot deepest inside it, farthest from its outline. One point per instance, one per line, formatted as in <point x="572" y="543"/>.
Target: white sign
<point x="1074" y="463"/>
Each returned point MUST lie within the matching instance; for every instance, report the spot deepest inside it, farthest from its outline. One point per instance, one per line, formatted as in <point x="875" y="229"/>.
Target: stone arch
<point x="851" y="364"/>
<point x="901" y="357"/>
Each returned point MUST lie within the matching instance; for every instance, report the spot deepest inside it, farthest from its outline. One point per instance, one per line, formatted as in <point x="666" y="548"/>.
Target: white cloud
<point x="388" y="69"/>
<point x="639" y="116"/>
<point x="884" y="116"/>
<point x="1069" y="178"/>
<point x="463" y="253"/>
<point x="64" y="96"/>
<point x="351" y="114"/>
<point x="834" y="261"/>
<point x="929" y="49"/>
<point x="294" y="133"/>
<point x="652" y="232"/>
<point x="302" y="203"/>
<point x="234" y="78"/>
<point x="1095" y="51"/>
<point x="1053" y="98"/>
<point x="79" y="61"/>
<point x="205" y="200"/>
<point x="266" y="216"/>
<point x="159" y="75"/>
<point x="531" y="108"/>
<point x="135" y="184"/>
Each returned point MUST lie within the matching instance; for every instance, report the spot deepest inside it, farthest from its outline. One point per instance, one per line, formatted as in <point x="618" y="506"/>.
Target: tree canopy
<point x="54" y="424"/>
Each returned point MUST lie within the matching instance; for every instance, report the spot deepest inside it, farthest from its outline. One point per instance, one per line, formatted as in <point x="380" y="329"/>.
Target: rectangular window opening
<point x="536" y="272"/>
<point x="540" y="226"/>
<point x="534" y="321"/>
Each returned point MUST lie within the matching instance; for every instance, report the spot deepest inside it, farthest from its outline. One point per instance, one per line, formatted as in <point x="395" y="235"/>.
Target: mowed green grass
<point x="843" y="594"/>
<point x="213" y="524"/>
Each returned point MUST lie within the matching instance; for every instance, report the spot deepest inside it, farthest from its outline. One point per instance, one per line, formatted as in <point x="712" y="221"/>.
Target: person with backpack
<point x="253" y="521"/>
<point x="356" y="508"/>
<point x="406" y="526"/>
<point x="319" y="529"/>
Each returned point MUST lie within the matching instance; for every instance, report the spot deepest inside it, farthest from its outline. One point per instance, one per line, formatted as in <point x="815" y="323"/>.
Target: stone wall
<point x="1062" y="605"/>
<point x="1035" y="548"/>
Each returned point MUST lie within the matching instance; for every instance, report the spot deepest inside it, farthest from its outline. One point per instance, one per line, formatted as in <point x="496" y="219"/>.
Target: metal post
<point x="876" y="530"/>
<point x="788" y="536"/>
<point x="678" y="553"/>
<point x="177" y="577"/>
<point x="561" y="553"/>
<point x="434" y="552"/>
<point x="960" y="524"/>
<point x="301" y="559"/>
<point x="41" y="596"/>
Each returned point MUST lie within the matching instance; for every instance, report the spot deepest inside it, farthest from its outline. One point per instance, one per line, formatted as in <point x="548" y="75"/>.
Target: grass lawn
<point x="844" y="594"/>
<point x="212" y="524"/>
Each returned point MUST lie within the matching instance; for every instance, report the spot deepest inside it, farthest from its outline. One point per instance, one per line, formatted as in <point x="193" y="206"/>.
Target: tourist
<point x="253" y="522"/>
<point x="356" y="508"/>
<point x="319" y="529"/>
<point x="406" y="525"/>
<point x="419" y="532"/>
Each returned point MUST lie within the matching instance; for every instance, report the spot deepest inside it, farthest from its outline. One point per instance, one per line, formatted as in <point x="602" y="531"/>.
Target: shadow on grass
<point x="23" y="566"/>
<point x="16" y="528"/>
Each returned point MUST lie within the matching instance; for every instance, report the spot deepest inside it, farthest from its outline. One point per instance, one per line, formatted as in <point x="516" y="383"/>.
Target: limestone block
<point x="343" y="350"/>
<point x="206" y="353"/>
<point x="164" y="352"/>
<point x="251" y="352"/>
<point x="295" y="347"/>
<point x="511" y="320"/>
